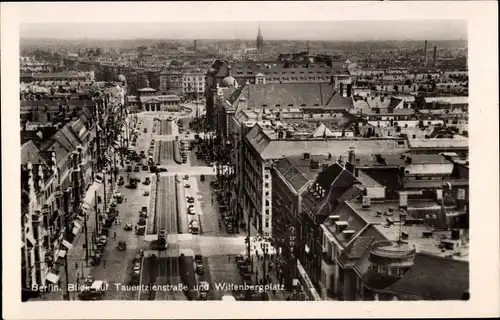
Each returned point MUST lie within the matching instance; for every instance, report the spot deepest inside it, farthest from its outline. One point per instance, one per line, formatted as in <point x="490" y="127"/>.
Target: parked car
<point x="145" y="167"/>
<point x="187" y="186"/>
<point x="147" y="181"/>
<point x="137" y="169"/>
<point x="202" y="177"/>
<point x="129" y="168"/>
<point x="146" y="193"/>
<point x="190" y="200"/>
<point x="128" y="227"/>
<point x="186" y="177"/>
<point x="162" y="170"/>
<point x="140" y="230"/>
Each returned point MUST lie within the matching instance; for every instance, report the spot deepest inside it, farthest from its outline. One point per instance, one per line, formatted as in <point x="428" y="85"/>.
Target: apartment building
<point x="193" y="84"/>
<point x="58" y="162"/>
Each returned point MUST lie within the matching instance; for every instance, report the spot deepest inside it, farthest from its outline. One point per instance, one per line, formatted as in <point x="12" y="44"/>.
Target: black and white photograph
<point x="273" y="160"/>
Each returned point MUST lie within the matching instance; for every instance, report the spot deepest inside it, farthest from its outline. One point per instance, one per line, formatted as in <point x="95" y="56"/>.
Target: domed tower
<point x="229" y="81"/>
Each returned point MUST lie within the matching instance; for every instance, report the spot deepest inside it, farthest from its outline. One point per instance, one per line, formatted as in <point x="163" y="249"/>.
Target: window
<point x="266" y="185"/>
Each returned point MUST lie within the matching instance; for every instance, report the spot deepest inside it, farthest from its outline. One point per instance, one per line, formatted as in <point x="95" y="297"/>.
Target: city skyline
<point x="432" y="30"/>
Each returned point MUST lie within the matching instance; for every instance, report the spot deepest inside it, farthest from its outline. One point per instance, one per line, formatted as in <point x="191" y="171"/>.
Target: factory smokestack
<point x="434" y="56"/>
<point x="425" y="53"/>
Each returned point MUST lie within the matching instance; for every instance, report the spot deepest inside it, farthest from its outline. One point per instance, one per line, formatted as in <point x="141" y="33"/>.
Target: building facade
<point x="193" y="85"/>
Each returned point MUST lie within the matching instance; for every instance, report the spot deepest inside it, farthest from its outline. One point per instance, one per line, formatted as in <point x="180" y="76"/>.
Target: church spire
<point x="260" y="40"/>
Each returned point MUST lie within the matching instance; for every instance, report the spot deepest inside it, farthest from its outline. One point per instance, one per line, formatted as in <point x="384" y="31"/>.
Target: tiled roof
<point x="434" y="278"/>
<point x="293" y="95"/>
<point x="296" y="179"/>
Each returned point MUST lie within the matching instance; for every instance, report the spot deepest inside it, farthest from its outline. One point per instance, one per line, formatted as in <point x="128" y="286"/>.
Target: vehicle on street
<point x="190" y="199"/>
<point x="191" y="211"/>
<point x="121" y="182"/>
<point x="187" y="186"/>
<point x="137" y="169"/>
<point x="140" y="230"/>
<point x="132" y="184"/>
<point x="122" y="245"/>
<point x="204" y="288"/>
<point x="229" y="228"/>
<point x="145" y="167"/>
<point x="142" y="154"/>
<point x="119" y="197"/>
<point x="147" y="181"/>
<point x="145" y="130"/>
<point x="129" y="168"/>
<point x="202" y="177"/>
<point x="142" y="221"/>
<point x="128" y="227"/>
<point x="162" y="170"/>
<point x="199" y="268"/>
<point x="194" y="226"/>
<point x="146" y="193"/>
<point x="94" y="291"/>
<point x="186" y="177"/>
<point x="98" y="178"/>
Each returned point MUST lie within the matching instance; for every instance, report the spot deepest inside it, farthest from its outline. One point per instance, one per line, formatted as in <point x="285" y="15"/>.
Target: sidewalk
<point x="280" y="295"/>
<point x="77" y="254"/>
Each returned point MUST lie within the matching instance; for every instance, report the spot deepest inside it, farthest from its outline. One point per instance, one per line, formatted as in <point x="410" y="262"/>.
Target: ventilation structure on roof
<point x="340" y="226"/>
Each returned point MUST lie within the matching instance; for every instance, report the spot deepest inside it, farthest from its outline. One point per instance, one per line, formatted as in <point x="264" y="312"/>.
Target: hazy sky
<point x="302" y="30"/>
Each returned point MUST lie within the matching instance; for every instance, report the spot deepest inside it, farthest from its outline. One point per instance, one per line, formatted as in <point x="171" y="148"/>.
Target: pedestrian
<point x="76" y="265"/>
<point x="114" y="235"/>
<point x="104" y="263"/>
<point x="229" y="259"/>
<point x="135" y="227"/>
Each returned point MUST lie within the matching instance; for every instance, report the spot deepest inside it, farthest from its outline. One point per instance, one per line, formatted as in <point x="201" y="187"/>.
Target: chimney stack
<point x="434" y="56"/>
<point x="349" y="89"/>
<point x="341" y="89"/>
<point x="425" y="53"/>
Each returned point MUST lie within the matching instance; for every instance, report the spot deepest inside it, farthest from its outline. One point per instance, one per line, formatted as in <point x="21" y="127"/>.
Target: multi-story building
<point x="193" y="84"/>
<point x="58" y="163"/>
<point x="223" y="74"/>
<point x="59" y="76"/>
<point x="267" y="142"/>
<point x="149" y="100"/>
<point x="395" y="250"/>
<point x="171" y="82"/>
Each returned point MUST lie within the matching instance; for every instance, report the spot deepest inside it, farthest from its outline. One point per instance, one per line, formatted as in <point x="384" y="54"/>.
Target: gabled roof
<point x="30" y="153"/>
<point x="322" y="131"/>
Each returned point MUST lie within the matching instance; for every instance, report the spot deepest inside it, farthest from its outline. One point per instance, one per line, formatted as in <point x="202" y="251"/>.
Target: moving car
<point x="187" y="186"/>
<point x="162" y="170"/>
<point x="145" y="130"/>
<point x="190" y="199"/>
<point x="122" y="245"/>
<point x="190" y="210"/>
<point x="147" y="181"/>
<point x="128" y="227"/>
<point x="146" y="193"/>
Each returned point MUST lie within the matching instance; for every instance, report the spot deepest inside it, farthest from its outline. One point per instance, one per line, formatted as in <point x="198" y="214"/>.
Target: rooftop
<point x="456" y="142"/>
<point x="292" y="95"/>
<point x="417" y="209"/>
<point x="447" y="100"/>
<point x="271" y="148"/>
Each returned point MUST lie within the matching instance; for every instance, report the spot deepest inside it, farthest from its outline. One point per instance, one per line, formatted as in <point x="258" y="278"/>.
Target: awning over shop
<point x="76" y="227"/>
<point x="68" y="245"/>
<point x="61" y="254"/>
<point x="31" y="240"/>
<point x="53" y="278"/>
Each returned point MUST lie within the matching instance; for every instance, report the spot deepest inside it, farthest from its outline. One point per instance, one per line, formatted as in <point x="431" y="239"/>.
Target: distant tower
<point x="260" y="40"/>
<point x="434" y="56"/>
<point x="307" y="46"/>
<point x="195" y="45"/>
<point x="425" y="53"/>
